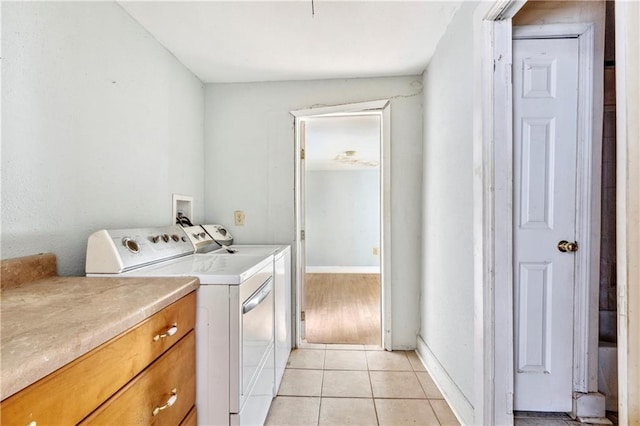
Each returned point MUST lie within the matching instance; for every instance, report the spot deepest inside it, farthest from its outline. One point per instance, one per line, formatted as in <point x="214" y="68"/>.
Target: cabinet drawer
<point x="69" y="394"/>
<point x="191" y="419"/>
<point x="162" y="394"/>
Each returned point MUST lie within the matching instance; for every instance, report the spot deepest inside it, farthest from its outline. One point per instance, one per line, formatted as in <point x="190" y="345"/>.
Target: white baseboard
<point x="459" y="404"/>
<point x="342" y="269"/>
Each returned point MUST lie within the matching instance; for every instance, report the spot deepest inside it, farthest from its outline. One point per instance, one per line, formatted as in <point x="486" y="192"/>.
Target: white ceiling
<point x="328" y="137"/>
<point x="243" y="41"/>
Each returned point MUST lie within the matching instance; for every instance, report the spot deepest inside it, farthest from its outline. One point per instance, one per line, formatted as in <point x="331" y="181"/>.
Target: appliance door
<point x="282" y="314"/>
<point x="257" y="334"/>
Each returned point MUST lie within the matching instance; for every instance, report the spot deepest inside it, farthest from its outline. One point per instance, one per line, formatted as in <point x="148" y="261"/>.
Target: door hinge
<point x="302" y="315"/>
<point x="302" y="154"/>
<point x="302" y="235"/>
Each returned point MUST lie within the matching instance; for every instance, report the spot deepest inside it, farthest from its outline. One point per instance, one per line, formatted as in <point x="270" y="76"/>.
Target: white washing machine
<point x="234" y="320"/>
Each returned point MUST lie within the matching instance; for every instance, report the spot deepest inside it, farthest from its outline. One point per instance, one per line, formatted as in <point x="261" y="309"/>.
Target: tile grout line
<point x="373" y="397"/>
<point x="319" y="408"/>
<point x="435" y="413"/>
<point x="324" y="360"/>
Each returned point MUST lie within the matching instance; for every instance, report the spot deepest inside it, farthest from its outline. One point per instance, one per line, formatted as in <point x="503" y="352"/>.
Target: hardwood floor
<point x="343" y="308"/>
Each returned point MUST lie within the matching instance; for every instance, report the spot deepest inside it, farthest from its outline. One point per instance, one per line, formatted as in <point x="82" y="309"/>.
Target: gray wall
<point x="447" y="303"/>
<point x="249" y="158"/>
<point x="342" y="223"/>
<point x="100" y="125"/>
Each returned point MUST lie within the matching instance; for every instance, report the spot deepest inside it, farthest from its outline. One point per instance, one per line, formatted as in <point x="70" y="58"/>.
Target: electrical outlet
<point x="238" y="217"/>
<point x="376" y="251"/>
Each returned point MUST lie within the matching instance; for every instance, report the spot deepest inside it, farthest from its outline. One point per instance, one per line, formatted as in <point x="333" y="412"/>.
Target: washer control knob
<point x="184" y="239"/>
<point x="175" y="238"/>
<point x="222" y="231"/>
<point x="203" y="235"/>
<point x="154" y="239"/>
<point x="165" y="238"/>
<point x="131" y="245"/>
<point x="196" y="236"/>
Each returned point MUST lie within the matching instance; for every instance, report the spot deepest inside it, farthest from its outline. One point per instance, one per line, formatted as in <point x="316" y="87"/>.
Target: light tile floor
<point x="357" y="385"/>
<point x="524" y="418"/>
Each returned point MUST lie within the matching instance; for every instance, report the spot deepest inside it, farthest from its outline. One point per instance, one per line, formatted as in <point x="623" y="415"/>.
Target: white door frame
<point x="381" y="108"/>
<point x="628" y="208"/>
<point x="493" y="214"/>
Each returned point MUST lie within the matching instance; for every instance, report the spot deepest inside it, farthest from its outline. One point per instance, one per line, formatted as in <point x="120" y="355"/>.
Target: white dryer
<point x="282" y="298"/>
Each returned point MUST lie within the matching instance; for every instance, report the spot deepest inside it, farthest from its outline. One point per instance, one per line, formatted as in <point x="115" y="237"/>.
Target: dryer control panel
<point x="201" y="241"/>
<point x="219" y="233"/>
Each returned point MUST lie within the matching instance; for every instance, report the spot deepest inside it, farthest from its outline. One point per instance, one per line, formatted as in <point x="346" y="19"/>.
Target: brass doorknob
<point x="566" y="246"/>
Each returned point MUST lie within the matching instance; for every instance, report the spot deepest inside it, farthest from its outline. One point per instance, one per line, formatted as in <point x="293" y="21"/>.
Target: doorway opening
<point x="498" y="247"/>
<point x="494" y="218"/>
<point x="545" y="176"/>
<point x="342" y="229"/>
<point x="342" y="223"/>
<point x="559" y="283"/>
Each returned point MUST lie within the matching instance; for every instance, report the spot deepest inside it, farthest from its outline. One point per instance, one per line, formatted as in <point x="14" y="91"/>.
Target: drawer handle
<point x="172" y="400"/>
<point x="170" y="332"/>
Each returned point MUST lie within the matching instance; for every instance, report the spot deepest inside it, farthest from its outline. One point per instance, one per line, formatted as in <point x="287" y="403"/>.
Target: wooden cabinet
<point x="190" y="419"/>
<point x="118" y="381"/>
<point x="162" y="394"/>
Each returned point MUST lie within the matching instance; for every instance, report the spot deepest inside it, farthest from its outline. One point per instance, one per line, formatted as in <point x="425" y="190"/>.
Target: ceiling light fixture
<point x="349" y="158"/>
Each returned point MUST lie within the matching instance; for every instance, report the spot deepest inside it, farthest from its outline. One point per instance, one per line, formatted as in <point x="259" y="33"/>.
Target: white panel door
<point x="545" y="92"/>
<point x="302" y="264"/>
